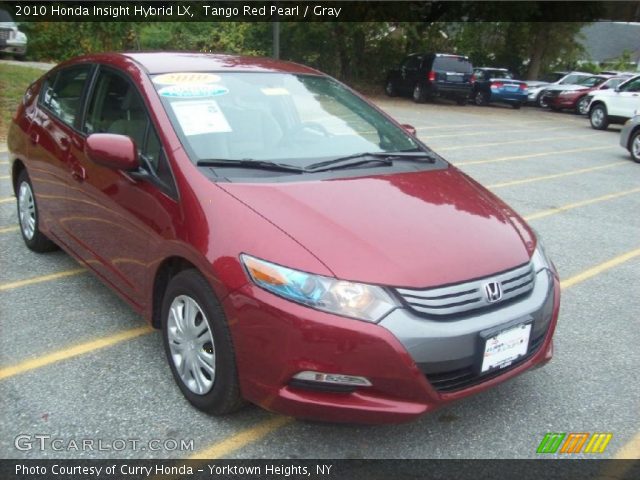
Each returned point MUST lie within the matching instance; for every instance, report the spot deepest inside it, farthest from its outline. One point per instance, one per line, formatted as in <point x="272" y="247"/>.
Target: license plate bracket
<point x="501" y="346"/>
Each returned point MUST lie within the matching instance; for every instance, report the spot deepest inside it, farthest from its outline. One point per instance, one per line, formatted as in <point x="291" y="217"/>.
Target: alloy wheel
<point x="27" y="210"/>
<point x="582" y="106"/>
<point x="597" y="117"/>
<point x="635" y="148"/>
<point x="191" y="345"/>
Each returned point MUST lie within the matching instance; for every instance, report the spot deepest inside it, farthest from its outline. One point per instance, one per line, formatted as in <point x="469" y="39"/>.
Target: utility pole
<point x="276" y="40"/>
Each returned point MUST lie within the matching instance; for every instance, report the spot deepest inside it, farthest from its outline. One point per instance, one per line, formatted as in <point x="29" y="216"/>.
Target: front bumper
<point x="274" y="339"/>
<point x="563" y="102"/>
<point x="13" y="46"/>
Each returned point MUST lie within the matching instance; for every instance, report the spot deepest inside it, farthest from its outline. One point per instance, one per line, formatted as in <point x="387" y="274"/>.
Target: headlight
<point x="21" y="37"/>
<point x="540" y="258"/>
<point x="567" y="92"/>
<point x="355" y="300"/>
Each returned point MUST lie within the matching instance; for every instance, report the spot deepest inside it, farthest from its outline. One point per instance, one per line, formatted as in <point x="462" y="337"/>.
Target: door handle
<point x="78" y="172"/>
<point x="64" y="142"/>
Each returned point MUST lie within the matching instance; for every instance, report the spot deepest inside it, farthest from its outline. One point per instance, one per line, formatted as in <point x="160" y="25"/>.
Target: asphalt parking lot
<point x="75" y="363"/>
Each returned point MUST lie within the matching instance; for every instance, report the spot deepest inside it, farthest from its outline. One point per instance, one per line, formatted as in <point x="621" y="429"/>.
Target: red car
<point x="574" y="97"/>
<point x="298" y="248"/>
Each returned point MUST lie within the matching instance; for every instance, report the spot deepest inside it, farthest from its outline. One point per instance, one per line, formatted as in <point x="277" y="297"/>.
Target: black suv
<point x="429" y="75"/>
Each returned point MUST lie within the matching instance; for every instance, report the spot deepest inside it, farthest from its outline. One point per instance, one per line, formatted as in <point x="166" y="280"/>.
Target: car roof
<point x="493" y="68"/>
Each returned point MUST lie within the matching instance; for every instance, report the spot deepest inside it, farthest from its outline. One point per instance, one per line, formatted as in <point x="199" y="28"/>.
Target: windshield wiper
<point x="249" y="163"/>
<point x="385" y="158"/>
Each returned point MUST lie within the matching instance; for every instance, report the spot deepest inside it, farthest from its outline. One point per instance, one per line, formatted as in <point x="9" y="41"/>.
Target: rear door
<point x="116" y="218"/>
<point x="50" y="137"/>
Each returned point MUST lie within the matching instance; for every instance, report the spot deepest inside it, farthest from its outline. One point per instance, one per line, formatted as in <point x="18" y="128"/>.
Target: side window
<point x="631" y="86"/>
<point x="117" y="107"/>
<point x="63" y="93"/>
<point x="412" y="63"/>
<point x="479" y="74"/>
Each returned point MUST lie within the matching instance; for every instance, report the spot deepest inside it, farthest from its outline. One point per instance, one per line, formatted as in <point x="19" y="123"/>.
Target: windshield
<point x="299" y="119"/>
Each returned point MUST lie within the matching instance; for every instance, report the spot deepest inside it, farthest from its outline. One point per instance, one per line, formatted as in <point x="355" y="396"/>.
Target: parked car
<point x="615" y="105"/>
<point x="630" y="136"/>
<point x="571" y="78"/>
<point x="425" y="76"/>
<point x="12" y="40"/>
<point x="297" y="247"/>
<point x="575" y="97"/>
<point x="498" y="85"/>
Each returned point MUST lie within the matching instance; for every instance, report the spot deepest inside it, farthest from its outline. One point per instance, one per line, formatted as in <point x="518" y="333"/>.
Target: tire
<point x="28" y="216"/>
<point x="582" y="105"/>
<point x="541" y="102"/>
<point x="389" y="89"/>
<point x="480" y="98"/>
<point x="418" y="94"/>
<point x="200" y="339"/>
<point x="598" y="117"/>
<point x="462" y="101"/>
<point x="516" y="105"/>
<point x="634" y="146"/>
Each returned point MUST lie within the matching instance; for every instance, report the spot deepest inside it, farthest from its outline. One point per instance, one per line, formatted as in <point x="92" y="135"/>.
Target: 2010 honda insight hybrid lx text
<point x="298" y="248"/>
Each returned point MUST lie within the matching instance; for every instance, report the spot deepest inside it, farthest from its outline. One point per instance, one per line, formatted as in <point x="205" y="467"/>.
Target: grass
<point x="14" y="80"/>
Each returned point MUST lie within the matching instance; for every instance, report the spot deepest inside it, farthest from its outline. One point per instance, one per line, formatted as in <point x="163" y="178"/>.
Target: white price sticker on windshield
<point x="200" y="117"/>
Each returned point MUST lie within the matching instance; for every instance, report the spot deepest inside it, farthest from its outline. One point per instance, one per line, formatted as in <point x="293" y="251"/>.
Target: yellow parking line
<point x="40" y="279"/>
<point x="556" y="175"/>
<point x="7" y="199"/>
<point x="532" y="155"/>
<point x="241" y="439"/>
<point x="4" y="177"/>
<point x="571" y="206"/>
<point x="8" y="229"/>
<point x="66" y="353"/>
<point x="512" y="142"/>
<point x="598" y="269"/>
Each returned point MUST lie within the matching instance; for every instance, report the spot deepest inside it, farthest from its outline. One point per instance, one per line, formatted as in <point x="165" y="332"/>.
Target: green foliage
<point x="359" y="52"/>
<point x="14" y="80"/>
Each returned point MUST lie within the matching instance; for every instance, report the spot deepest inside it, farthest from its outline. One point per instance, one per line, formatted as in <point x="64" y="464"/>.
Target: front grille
<point x="466" y="377"/>
<point x="5" y="34"/>
<point x="464" y="297"/>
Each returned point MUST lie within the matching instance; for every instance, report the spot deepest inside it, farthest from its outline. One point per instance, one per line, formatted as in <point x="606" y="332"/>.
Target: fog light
<point x="332" y="378"/>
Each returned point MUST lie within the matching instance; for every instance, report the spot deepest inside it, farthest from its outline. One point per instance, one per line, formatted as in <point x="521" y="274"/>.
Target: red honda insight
<point x="298" y="248"/>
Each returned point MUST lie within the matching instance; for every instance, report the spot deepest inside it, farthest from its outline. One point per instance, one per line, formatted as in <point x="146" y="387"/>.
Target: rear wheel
<point x="418" y="94"/>
<point x="198" y="345"/>
<point x="598" y="117"/>
<point x="582" y="105"/>
<point x="28" y="217"/>
<point x="634" y="146"/>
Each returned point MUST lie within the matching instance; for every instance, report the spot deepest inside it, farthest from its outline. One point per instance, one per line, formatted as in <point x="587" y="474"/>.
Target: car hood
<point x="415" y="229"/>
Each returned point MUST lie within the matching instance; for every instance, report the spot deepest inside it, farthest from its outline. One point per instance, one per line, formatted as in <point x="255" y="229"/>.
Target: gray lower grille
<point x="5" y="34"/>
<point x="467" y="296"/>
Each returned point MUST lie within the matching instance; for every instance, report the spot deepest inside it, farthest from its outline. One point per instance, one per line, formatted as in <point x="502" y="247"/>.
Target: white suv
<point x="616" y="105"/>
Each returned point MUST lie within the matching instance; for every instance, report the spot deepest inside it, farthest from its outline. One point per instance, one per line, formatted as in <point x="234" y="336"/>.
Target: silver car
<point x="12" y="40"/>
<point x="630" y="136"/>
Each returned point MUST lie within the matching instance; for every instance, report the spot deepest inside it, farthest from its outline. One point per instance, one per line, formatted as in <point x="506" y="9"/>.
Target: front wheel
<point x="28" y="217"/>
<point x="598" y="117"/>
<point x="634" y="146"/>
<point x="541" y="101"/>
<point x="198" y="345"/>
<point x="418" y="94"/>
<point x="582" y="106"/>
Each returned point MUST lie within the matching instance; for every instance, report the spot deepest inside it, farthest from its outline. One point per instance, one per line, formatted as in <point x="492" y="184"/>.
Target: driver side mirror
<point x="113" y="151"/>
<point x="409" y="129"/>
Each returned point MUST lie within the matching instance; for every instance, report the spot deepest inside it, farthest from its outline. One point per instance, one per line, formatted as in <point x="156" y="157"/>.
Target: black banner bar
<point x="320" y="11"/>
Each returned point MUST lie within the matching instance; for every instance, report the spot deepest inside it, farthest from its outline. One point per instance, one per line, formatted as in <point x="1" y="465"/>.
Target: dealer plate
<point x="502" y="349"/>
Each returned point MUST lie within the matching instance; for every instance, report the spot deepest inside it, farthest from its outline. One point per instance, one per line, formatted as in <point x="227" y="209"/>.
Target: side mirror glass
<point x="112" y="151"/>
